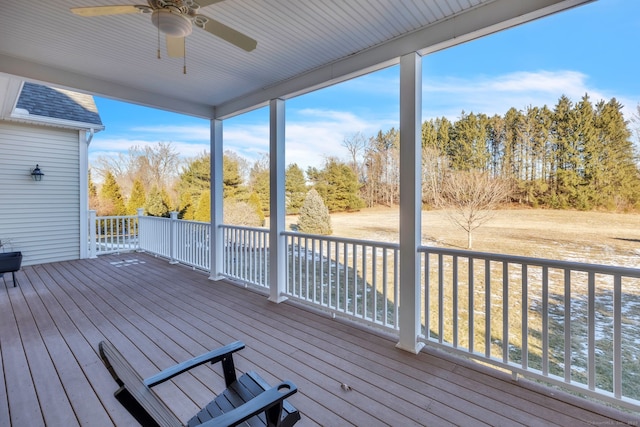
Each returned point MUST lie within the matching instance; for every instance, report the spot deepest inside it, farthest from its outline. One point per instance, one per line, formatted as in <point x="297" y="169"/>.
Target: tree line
<point x="576" y="155"/>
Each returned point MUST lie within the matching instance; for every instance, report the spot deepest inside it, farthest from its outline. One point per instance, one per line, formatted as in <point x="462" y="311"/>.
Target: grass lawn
<point x="592" y="237"/>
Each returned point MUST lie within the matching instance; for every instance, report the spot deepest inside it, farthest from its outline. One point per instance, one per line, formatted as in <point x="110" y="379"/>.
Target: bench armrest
<point x="214" y="356"/>
<point x="269" y="401"/>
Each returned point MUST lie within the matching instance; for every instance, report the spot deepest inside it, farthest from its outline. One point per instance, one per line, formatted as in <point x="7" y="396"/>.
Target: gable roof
<point x="54" y="106"/>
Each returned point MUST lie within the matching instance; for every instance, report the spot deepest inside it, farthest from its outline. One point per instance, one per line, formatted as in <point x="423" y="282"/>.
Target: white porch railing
<point x="112" y="234"/>
<point x="191" y="244"/>
<point x="357" y="278"/>
<point x="184" y="242"/>
<point x="568" y="323"/>
<point x="155" y="236"/>
<point x="572" y="324"/>
<point x="246" y="254"/>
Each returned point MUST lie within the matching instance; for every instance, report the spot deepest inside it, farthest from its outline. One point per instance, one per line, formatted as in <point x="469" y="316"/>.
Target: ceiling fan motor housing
<point x="172" y="22"/>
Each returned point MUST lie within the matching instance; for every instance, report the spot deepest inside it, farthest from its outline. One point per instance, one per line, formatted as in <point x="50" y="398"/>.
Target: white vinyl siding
<point x="41" y="219"/>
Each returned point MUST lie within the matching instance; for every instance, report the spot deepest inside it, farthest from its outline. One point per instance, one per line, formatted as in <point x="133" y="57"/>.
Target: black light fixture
<point x="37" y="174"/>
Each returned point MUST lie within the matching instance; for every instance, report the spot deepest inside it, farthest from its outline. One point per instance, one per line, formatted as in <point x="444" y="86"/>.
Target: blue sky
<point x="590" y="49"/>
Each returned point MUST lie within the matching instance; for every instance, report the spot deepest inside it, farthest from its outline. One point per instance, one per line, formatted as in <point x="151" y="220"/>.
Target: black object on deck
<point x="10" y="263"/>
<point x="246" y="398"/>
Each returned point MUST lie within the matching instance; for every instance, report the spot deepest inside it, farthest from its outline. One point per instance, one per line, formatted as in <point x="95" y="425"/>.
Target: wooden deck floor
<point x="158" y="314"/>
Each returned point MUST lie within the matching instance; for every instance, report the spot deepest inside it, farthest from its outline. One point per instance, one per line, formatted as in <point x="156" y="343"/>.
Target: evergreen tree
<point x="158" y="203"/>
<point x="259" y="182"/>
<point x="194" y="179"/>
<point x="338" y="186"/>
<point x="137" y="199"/>
<point x="495" y="143"/>
<point x="443" y="128"/>
<point x="111" y="202"/>
<point x="314" y="216"/>
<point x="512" y="135"/>
<point x="429" y="135"/>
<point x="295" y="187"/>
<point x="537" y="124"/>
<point x="468" y="146"/>
<point x="255" y="204"/>
<point x="94" y="201"/>
<point x="574" y="156"/>
<point x="187" y="210"/>
<point x="565" y="177"/>
<point x="587" y="194"/>
<point x="231" y="178"/>
<point x="619" y="176"/>
<point x="203" y="210"/>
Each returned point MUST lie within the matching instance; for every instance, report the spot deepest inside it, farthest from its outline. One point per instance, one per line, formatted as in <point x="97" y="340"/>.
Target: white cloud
<point x="319" y="133"/>
<point x="171" y="132"/>
<point x="496" y="94"/>
<point x="108" y="147"/>
<point x="312" y="134"/>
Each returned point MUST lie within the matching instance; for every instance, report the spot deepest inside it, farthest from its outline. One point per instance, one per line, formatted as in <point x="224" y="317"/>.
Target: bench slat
<point x="133" y="390"/>
<point x="228" y="407"/>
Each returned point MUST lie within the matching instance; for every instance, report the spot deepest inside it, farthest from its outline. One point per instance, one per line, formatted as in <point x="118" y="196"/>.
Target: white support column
<point x="217" y="245"/>
<point x="139" y="214"/>
<point x="410" y="201"/>
<point x="277" y="243"/>
<point x="93" y="246"/>
<point x="84" y="194"/>
<point x="173" y="218"/>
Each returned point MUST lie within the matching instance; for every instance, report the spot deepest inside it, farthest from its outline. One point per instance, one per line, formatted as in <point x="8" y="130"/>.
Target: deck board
<point x="158" y="314"/>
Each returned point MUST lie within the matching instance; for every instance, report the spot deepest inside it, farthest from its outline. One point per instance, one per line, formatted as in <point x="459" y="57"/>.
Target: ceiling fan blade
<point x="175" y="47"/>
<point x="204" y="3"/>
<point x="228" y="34"/>
<point x="109" y="10"/>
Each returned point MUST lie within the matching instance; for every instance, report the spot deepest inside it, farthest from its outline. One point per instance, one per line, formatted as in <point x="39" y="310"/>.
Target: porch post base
<point x="415" y="349"/>
<point x="278" y="299"/>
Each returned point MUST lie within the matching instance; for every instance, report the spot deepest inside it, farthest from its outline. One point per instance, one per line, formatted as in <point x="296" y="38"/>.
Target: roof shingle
<point x="40" y="100"/>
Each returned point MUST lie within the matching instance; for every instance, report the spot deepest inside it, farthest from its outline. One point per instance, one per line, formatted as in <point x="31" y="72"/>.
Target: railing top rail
<point x="244" y="227"/>
<point x="154" y="218"/>
<point x="116" y="217"/>
<point x="540" y="262"/>
<point x="187" y="221"/>
<point x="388" y="245"/>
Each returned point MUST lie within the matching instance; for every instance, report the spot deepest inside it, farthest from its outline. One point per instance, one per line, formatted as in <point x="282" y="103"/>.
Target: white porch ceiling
<point x="302" y="45"/>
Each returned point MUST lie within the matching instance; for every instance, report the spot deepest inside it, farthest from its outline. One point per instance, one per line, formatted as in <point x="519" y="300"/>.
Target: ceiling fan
<point x="176" y="18"/>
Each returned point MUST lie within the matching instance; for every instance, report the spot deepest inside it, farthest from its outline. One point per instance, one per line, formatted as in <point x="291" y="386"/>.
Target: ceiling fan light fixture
<point x="171" y="23"/>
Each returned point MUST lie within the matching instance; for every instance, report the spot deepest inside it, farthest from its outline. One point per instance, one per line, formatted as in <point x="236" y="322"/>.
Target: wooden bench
<point x="246" y="399"/>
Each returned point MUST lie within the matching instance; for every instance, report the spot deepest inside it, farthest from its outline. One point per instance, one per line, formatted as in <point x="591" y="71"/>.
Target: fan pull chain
<point x="158" y="18"/>
<point x="184" y="64"/>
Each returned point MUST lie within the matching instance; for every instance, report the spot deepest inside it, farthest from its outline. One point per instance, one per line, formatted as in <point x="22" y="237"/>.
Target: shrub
<point x="314" y="216"/>
<point x="241" y="213"/>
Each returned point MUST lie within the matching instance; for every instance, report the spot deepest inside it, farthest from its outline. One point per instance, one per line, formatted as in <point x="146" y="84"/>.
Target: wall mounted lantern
<point x="37" y="174"/>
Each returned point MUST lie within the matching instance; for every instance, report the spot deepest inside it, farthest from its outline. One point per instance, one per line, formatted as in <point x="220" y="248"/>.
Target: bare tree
<point x="381" y="169"/>
<point x="434" y="169"/>
<point x="153" y="165"/>
<point x="355" y="145"/>
<point x="241" y="213"/>
<point x="469" y="198"/>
